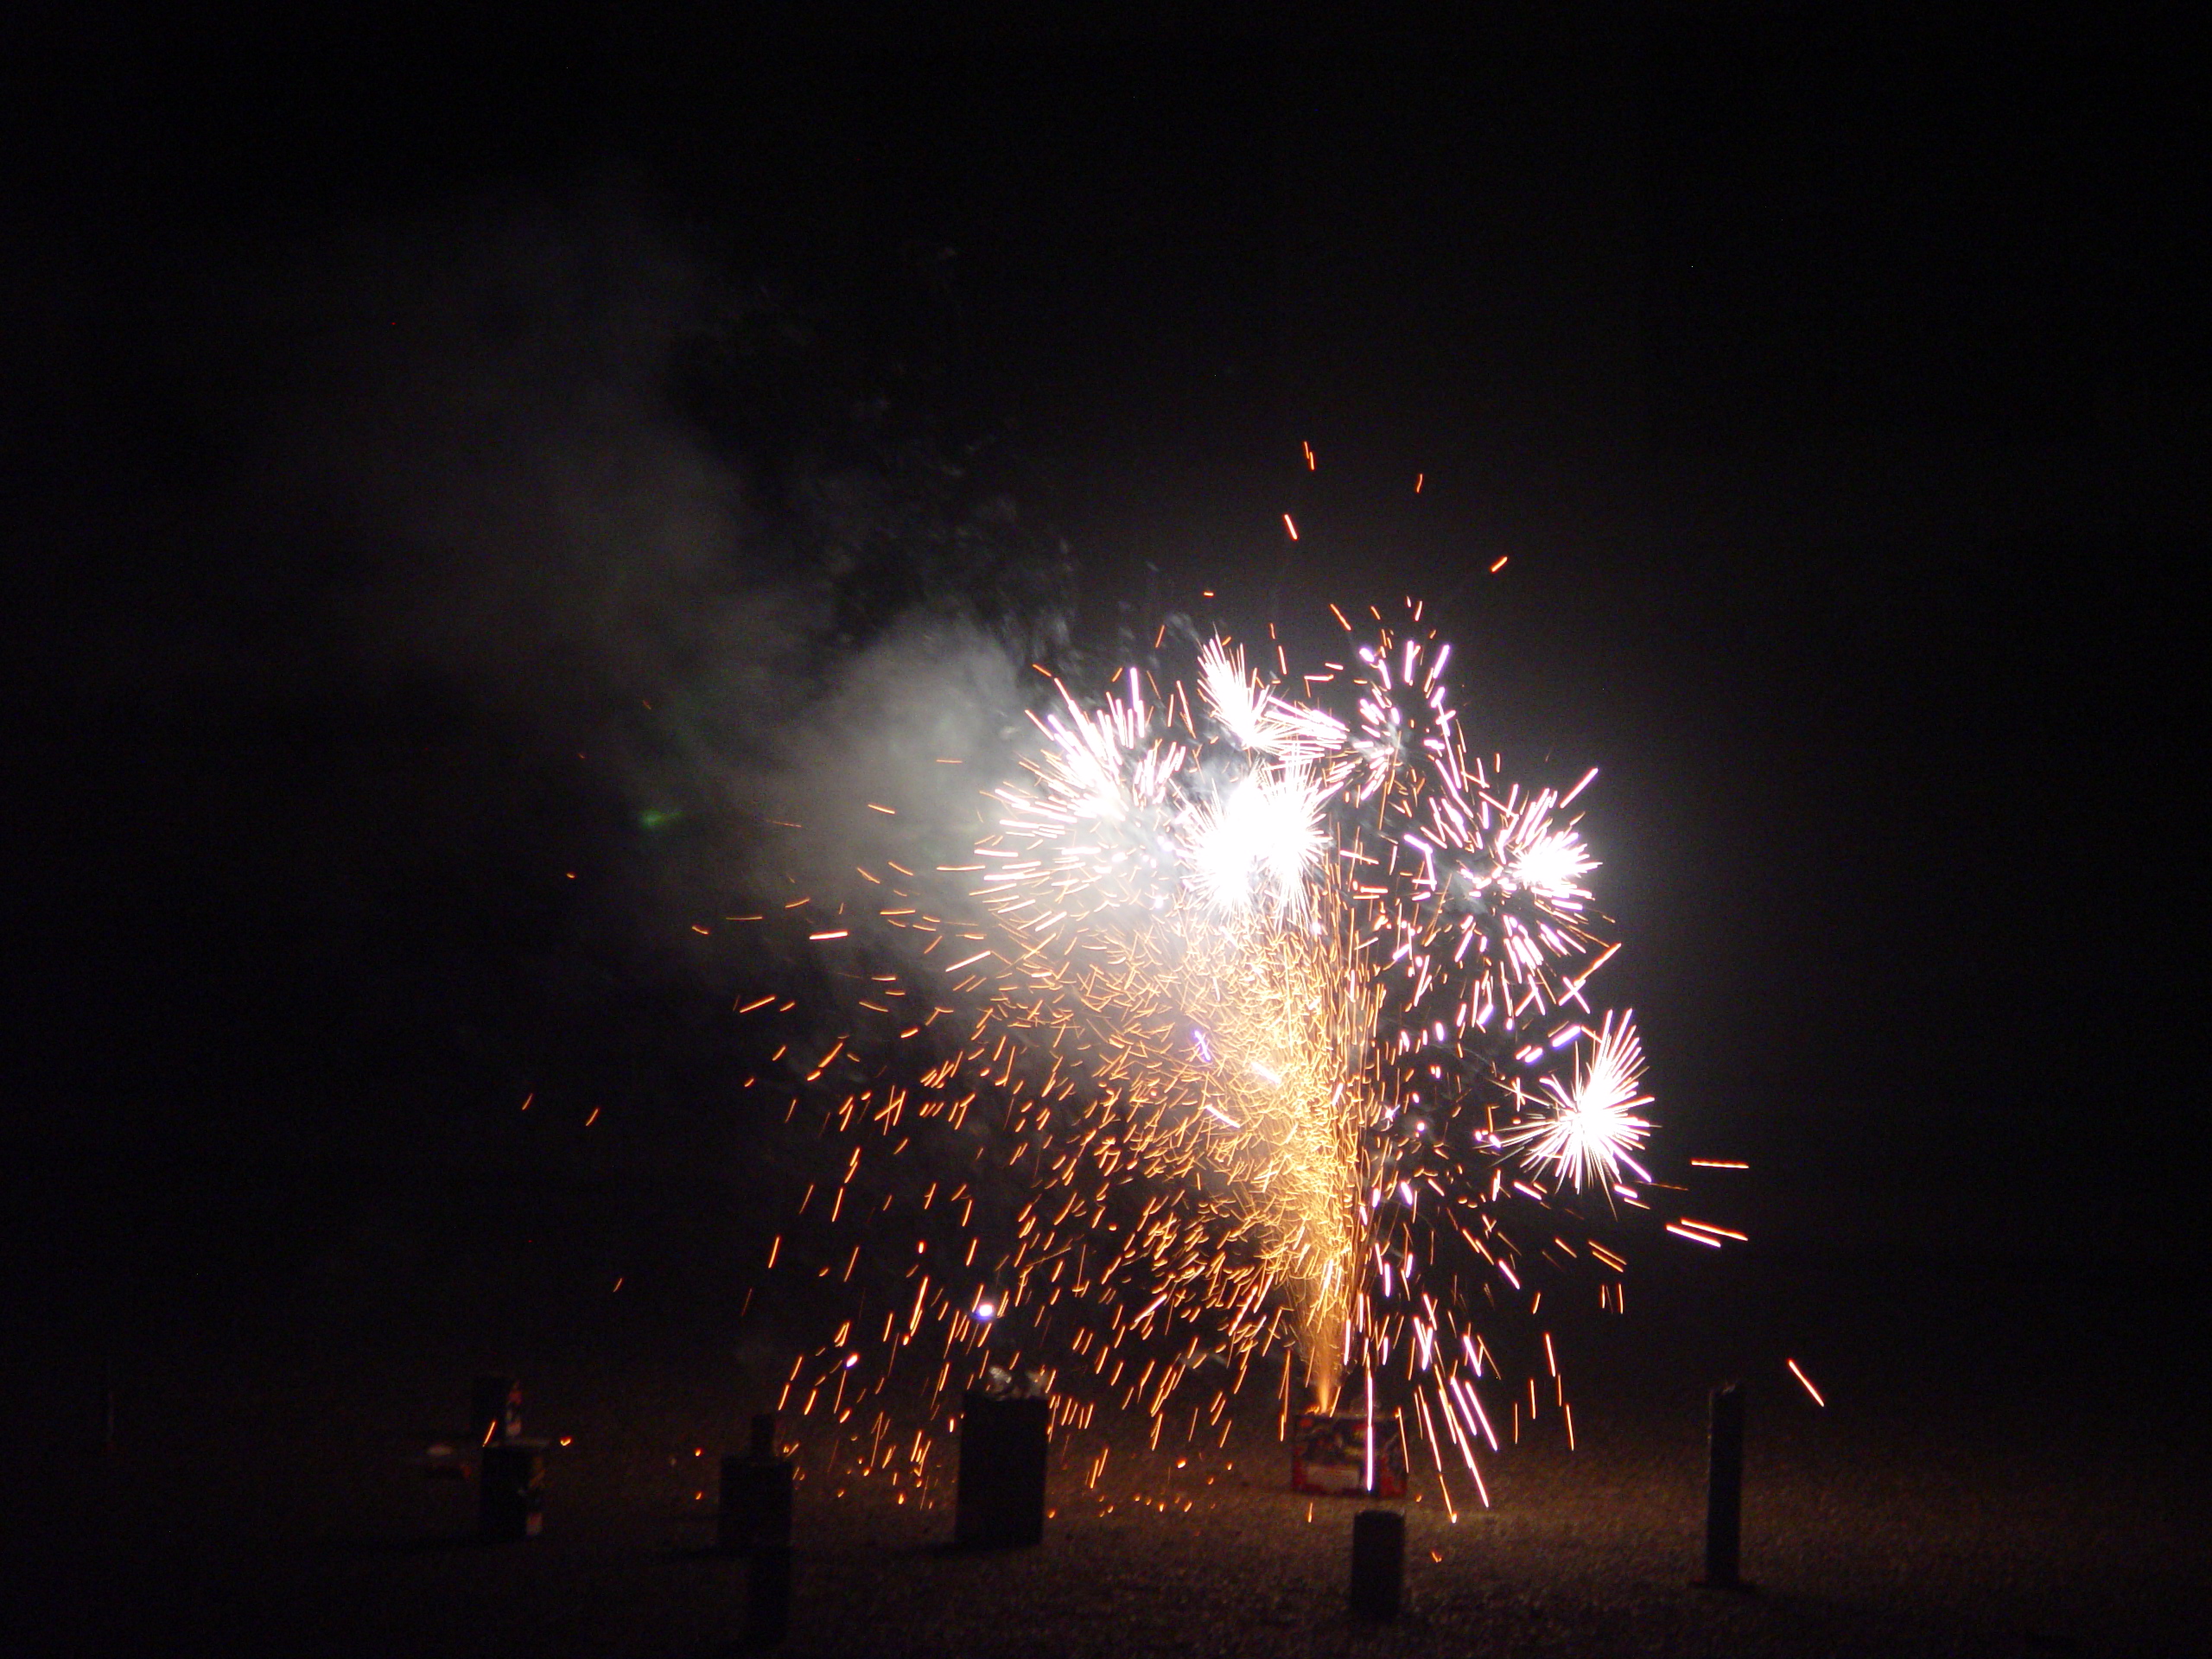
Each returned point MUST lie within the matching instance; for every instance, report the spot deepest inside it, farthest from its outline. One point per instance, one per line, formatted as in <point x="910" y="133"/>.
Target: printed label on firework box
<point x="1329" y="1454"/>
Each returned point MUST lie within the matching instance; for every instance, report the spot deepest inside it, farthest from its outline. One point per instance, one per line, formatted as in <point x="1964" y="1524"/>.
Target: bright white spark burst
<point x="1274" y="998"/>
<point x="1593" y="1127"/>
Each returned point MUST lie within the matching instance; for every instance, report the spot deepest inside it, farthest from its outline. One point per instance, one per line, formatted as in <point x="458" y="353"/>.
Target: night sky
<point x="393" y="409"/>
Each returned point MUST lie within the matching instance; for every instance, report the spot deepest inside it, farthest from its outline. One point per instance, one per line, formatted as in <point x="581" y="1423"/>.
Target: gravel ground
<point x="254" y="1506"/>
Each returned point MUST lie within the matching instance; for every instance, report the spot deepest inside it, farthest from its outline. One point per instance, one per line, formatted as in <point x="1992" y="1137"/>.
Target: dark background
<point x="1835" y="389"/>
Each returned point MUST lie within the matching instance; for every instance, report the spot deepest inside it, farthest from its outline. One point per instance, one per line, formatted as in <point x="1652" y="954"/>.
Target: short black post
<point x="768" y="1596"/>
<point x="1001" y="1497"/>
<point x="1378" y="1563"/>
<point x="756" y="1498"/>
<point x="510" y="1499"/>
<point x="1724" y="1497"/>
<point x="495" y="1410"/>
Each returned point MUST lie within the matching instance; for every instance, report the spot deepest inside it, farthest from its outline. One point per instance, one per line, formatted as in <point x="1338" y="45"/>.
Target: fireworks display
<point x="1259" y="1036"/>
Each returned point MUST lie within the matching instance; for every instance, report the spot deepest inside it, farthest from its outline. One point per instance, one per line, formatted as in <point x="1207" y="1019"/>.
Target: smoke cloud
<point x="482" y="417"/>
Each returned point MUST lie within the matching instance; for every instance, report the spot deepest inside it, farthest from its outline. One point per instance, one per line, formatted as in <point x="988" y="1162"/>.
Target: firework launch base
<point x="1329" y="1456"/>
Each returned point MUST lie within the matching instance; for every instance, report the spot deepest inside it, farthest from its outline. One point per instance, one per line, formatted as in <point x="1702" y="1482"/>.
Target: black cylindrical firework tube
<point x="768" y="1595"/>
<point x="1378" y="1563"/>
<point x="510" y="1499"/>
<point x="756" y="1497"/>
<point x="1001" y="1502"/>
<point x="1724" y="1497"/>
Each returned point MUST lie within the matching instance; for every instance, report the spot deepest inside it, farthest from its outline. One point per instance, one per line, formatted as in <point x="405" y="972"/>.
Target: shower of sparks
<point x="1267" y="1035"/>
